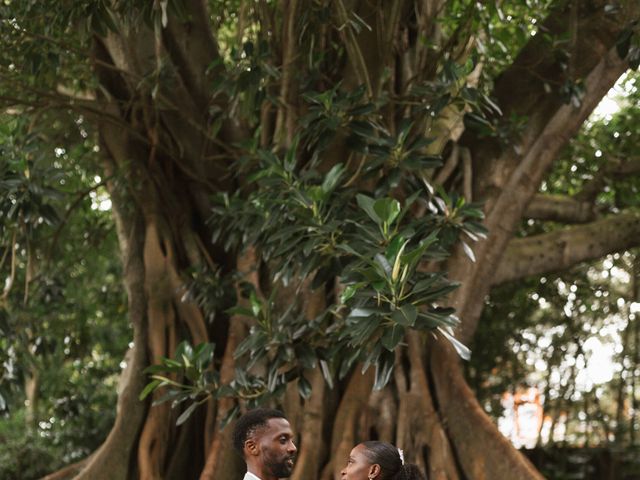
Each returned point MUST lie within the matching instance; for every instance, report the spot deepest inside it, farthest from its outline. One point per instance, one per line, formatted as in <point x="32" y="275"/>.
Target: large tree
<point x="302" y="157"/>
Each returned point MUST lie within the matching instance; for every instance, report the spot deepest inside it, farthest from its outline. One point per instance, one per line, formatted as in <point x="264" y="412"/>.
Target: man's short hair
<point x="250" y="422"/>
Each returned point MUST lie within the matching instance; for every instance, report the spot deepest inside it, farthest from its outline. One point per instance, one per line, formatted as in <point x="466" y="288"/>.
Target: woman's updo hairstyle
<point x="392" y="466"/>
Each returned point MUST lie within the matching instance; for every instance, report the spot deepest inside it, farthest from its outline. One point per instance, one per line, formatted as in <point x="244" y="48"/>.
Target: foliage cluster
<point x="316" y="227"/>
<point x="62" y="313"/>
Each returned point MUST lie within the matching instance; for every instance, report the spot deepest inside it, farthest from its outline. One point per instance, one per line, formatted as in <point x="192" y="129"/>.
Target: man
<point x="264" y="439"/>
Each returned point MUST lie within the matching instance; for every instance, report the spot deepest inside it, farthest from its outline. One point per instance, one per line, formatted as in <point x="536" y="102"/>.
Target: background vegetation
<point x="313" y="158"/>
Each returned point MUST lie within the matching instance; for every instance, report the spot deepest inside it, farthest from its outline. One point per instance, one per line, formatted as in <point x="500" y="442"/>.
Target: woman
<point x="379" y="461"/>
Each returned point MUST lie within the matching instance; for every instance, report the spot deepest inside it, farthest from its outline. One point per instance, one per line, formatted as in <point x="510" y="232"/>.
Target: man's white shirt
<point x="250" y="476"/>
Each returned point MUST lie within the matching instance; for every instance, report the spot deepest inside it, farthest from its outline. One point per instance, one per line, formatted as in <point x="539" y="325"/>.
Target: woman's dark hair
<point x="391" y="465"/>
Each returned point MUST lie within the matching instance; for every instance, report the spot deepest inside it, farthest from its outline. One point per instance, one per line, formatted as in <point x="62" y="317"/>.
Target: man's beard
<point x="280" y="468"/>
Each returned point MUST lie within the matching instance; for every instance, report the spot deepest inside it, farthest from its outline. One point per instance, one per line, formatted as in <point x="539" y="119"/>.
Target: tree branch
<point x="616" y="168"/>
<point x="506" y="179"/>
<point x="560" y="208"/>
<point x="580" y="208"/>
<point x="287" y="115"/>
<point x="562" y="249"/>
<point x="353" y="47"/>
<point x="193" y="49"/>
<point x="68" y="471"/>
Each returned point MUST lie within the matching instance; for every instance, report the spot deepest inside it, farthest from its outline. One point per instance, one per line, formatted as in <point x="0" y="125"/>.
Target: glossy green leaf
<point x="384" y="369"/>
<point x="405" y="315"/>
<point x="304" y="387"/>
<point x="184" y="416"/>
<point x="367" y="204"/>
<point x="333" y="177"/>
<point x="150" y="387"/>
<point x="387" y="209"/>
<point x="392" y="337"/>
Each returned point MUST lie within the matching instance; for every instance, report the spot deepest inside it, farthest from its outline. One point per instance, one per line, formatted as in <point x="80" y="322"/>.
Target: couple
<point x="265" y="440"/>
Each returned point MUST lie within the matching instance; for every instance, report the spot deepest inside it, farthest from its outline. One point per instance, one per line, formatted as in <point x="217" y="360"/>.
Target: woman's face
<point x="358" y="466"/>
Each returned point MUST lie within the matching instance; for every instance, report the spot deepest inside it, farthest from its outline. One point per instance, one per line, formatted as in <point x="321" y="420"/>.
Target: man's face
<point x="276" y="448"/>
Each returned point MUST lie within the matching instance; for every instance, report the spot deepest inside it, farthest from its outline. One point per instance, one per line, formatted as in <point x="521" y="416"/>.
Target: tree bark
<point x="505" y="209"/>
<point x="561" y="249"/>
<point x="558" y="208"/>
<point x="459" y="409"/>
<point x="32" y="392"/>
<point x="113" y="459"/>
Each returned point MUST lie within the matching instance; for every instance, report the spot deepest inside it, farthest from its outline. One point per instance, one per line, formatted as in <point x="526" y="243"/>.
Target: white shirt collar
<point x="250" y="476"/>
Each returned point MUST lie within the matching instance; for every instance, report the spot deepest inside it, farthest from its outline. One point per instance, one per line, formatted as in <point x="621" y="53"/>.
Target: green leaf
<point x="384" y="369"/>
<point x="405" y="128"/>
<point x="367" y="204"/>
<point x="412" y="257"/>
<point x="398" y="263"/>
<point x="306" y="356"/>
<point x="468" y="252"/>
<point x="349" y="292"/>
<point x="203" y="355"/>
<point x="326" y="373"/>
<point x="177" y="395"/>
<point x="254" y="341"/>
<point x="405" y="315"/>
<point x="362" y="109"/>
<point x="362" y="331"/>
<point x="358" y="313"/>
<point x="186" y="414"/>
<point x="333" y="177"/>
<point x="184" y="350"/>
<point x="392" y="337"/>
<point x="229" y="416"/>
<point x="384" y="264"/>
<point x="460" y="348"/>
<point x="424" y="284"/>
<point x="387" y="209"/>
<point x="437" y="293"/>
<point x="372" y="358"/>
<point x="316" y="193"/>
<point x="151" y="386"/>
<point x="256" y="304"/>
<point x="347" y="363"/>
<point x="172" y="365"/>
<point x="304" y="387"/>
<point x="394" y="247"/>
<point x="407" y="206"/>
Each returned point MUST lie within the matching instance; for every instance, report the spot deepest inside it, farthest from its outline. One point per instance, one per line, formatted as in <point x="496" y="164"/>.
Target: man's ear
<point x="374" y="470"/>
<point x="251" y="447"/>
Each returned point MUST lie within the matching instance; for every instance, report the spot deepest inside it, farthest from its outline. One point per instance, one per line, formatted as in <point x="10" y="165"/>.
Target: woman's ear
<point x="374" y="471"/>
